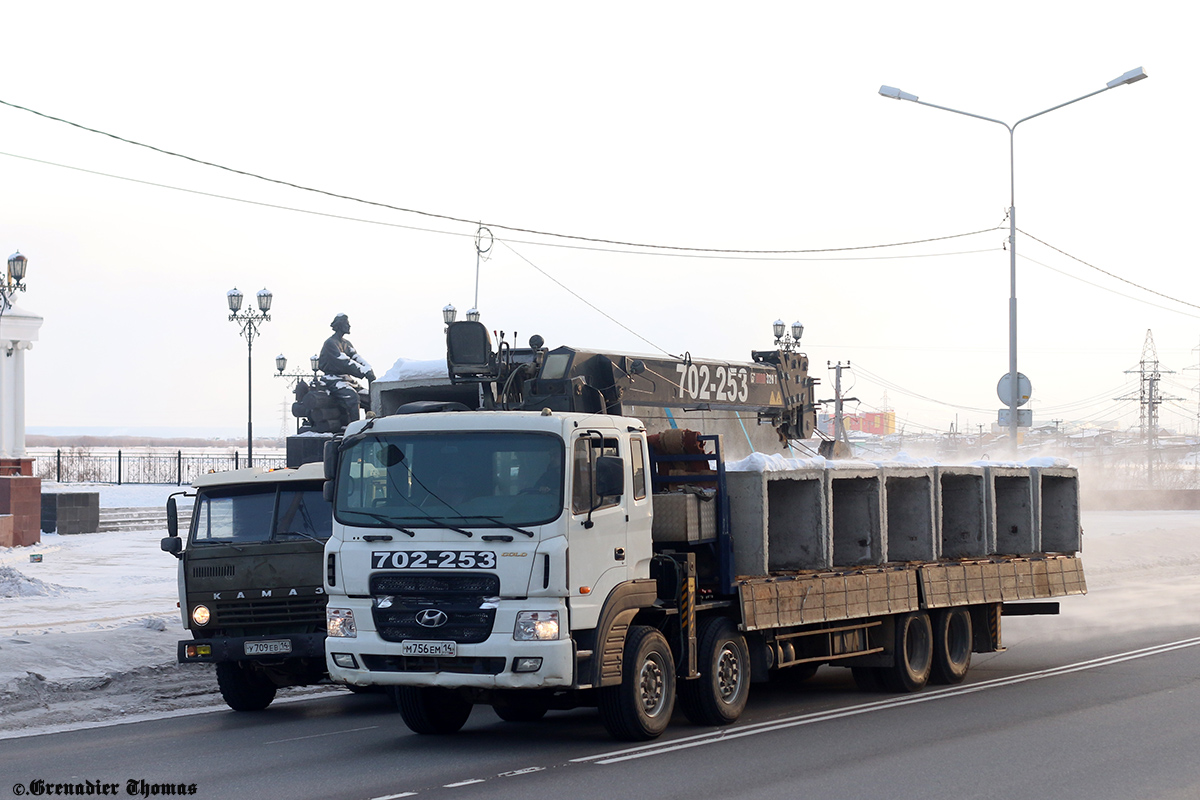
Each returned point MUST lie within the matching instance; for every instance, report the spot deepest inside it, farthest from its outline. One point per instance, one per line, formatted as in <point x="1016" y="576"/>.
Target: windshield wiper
<point x="387" y="521"/>
<point x="498" y="521"/>
<point x="301" y="533"/>
<point x="438" y="521"/>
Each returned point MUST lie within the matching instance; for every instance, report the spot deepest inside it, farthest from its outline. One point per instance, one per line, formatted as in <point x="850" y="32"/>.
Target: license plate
<point x="437" y="649"/>
<point x="268" y="648"/>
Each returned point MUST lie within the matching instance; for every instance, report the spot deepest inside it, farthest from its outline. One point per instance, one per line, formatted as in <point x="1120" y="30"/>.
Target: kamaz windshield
<point x="241" y="514"/>
<point x="449" y="480"/>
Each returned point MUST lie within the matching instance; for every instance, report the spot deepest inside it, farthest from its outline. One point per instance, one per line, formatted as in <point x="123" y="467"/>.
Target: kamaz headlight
<point x="339" y="623"/>
<point x="200" y="615"/>
<point x="536" y="626"/>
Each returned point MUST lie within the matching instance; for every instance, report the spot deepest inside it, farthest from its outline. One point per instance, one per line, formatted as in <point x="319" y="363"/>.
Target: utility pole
<point x="839" y="422"/>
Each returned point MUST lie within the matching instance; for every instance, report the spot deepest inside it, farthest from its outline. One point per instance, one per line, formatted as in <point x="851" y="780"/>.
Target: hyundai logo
<point x="432" y="618"/>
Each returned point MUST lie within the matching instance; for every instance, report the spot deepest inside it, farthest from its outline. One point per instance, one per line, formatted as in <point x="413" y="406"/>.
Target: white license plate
<point x="438" y="649"/>
<point x="281" y="646"/>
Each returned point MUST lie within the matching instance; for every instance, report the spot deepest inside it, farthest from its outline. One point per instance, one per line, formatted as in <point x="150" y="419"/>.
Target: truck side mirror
<point x="330" y="462"/>
<point x="610" y="476"/>
<point x="172" y="518"/>
<point x="172" y="545"/>
<point x="330" y="459"/>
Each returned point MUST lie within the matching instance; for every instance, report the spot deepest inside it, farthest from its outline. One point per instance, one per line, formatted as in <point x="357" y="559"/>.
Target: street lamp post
<point x="250" y="320"/>
<point x="14" y="280"/>
<point x="295" y="377"/>
<point x="1132" y="76"/>
<point x="782" y="340"/>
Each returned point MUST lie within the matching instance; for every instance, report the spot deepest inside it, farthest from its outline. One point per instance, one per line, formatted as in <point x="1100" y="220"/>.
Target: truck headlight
<point x="536" y="626"/>
<point x="201" y="615"/>
<point x="339" y="623"/>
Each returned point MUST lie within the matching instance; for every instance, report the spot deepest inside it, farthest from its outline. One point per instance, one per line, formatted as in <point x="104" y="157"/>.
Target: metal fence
<point x="81" y="465"/>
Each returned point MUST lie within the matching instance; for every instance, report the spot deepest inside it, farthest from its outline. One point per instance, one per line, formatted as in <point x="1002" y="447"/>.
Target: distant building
<point x="880" y="423"/>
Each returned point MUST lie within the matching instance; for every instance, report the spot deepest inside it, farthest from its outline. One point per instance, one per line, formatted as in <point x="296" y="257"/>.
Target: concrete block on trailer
<point x="798" y="533"/>
<point x="780" y="521"/>
<point x="1012" y="512"/>
<point x="857" y="516"/>
<point x="1056" y="497"/>
<point x="962" y="504"/>
<point x="910" y="517"/>
<point x="748" y="515"/>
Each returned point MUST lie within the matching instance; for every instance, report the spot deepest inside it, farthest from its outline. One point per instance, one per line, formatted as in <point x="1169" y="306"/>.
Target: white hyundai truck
<point x="545" y="550"/>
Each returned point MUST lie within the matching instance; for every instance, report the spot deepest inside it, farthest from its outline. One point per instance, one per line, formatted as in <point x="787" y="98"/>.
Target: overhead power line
<point x="464" y="220"/>
<point x="1109" y="274"/>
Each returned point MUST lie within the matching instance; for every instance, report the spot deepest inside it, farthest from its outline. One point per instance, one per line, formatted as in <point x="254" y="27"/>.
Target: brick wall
<point x="22" y="497"/>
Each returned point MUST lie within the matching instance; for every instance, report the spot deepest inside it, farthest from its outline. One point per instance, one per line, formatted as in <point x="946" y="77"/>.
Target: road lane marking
<point x="660" y="748"/>
<point x="395" y="796"/>
<point x="319" y="735"/>
<point x="462" y="783"/>
<point x="515" y="772"/>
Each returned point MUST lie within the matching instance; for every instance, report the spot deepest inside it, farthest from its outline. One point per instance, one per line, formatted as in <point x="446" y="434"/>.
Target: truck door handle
<point x="619" y="553"/>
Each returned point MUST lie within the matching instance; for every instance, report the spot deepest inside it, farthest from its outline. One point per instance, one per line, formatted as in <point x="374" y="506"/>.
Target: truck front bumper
<point x="251" y="648"/>
<point x="498" y="662"/>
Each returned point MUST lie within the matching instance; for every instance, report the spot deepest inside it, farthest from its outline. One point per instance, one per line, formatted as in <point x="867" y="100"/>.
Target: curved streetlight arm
<point x="1013" y="403"/>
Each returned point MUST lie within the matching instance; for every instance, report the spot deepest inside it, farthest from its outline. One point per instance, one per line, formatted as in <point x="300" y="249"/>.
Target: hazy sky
<point x="751" y="126"/>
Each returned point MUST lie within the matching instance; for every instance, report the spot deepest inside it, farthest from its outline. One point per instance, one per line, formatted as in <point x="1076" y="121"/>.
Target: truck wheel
<point x="432" y="710"/>
<point x="520" y="706"/>
<point x="639" y="707"/>
<point x="952" y="642"/>
<point x="914" y="654"/>
<point x="718" y="696"/>
<point x="242" y="688"/>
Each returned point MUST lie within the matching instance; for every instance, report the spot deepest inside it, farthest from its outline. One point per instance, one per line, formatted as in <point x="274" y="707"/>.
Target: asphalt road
<point x="1052" y="718"/>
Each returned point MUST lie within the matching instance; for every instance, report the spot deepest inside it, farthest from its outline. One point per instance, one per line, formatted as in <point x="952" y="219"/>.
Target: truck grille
<point x="458" y="596"/>
<point x="218" y="571"/>
<point x="270" y="611"/>
<point x="467" y="665"/>
<point x="396" y="583"/>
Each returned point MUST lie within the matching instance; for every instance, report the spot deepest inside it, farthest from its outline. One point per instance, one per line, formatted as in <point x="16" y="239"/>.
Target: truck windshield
<point x="261" y="514"/>
<point x="475" y="479"/>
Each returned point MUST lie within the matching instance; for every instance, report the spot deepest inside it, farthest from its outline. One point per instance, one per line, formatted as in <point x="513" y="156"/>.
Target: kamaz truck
<point x="250" y="580"/>
<point x="529" y="544"/>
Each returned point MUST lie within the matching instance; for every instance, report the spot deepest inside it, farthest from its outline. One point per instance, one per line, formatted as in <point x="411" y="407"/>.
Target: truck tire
<point x="718" y="696"/>
<point x="639" y="707"/>
<point x="242" y="688"/>
<point x="913" y="658"/>
<point x="520" y="706"/>
<point x="953" y="639"/>
<point x="432" y="710"/>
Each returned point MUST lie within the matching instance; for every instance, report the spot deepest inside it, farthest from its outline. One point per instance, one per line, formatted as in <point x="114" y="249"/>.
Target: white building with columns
<point x="18" y="332"/>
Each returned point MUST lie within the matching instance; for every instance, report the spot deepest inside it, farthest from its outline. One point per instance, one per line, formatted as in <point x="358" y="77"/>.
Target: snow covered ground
<point x="87" y="636"/>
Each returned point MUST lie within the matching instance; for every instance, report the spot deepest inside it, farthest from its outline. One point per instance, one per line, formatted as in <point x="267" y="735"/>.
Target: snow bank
<point x="14" y="583"/>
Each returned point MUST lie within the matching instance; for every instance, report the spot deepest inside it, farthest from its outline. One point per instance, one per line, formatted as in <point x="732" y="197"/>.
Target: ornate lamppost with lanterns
<point x="14" y="280"/>
<point x="250" y="320"/>
<point x="787" y="343"/>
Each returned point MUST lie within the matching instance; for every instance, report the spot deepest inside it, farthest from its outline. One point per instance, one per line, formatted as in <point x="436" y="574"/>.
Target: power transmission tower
<point x="284" y="408"/>
<point x="1196" y="389"/>
<point x="1149" y="399"/>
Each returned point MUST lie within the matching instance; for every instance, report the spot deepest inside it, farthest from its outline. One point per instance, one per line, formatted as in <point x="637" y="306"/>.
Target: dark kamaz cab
<point x="250" y="582"/>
